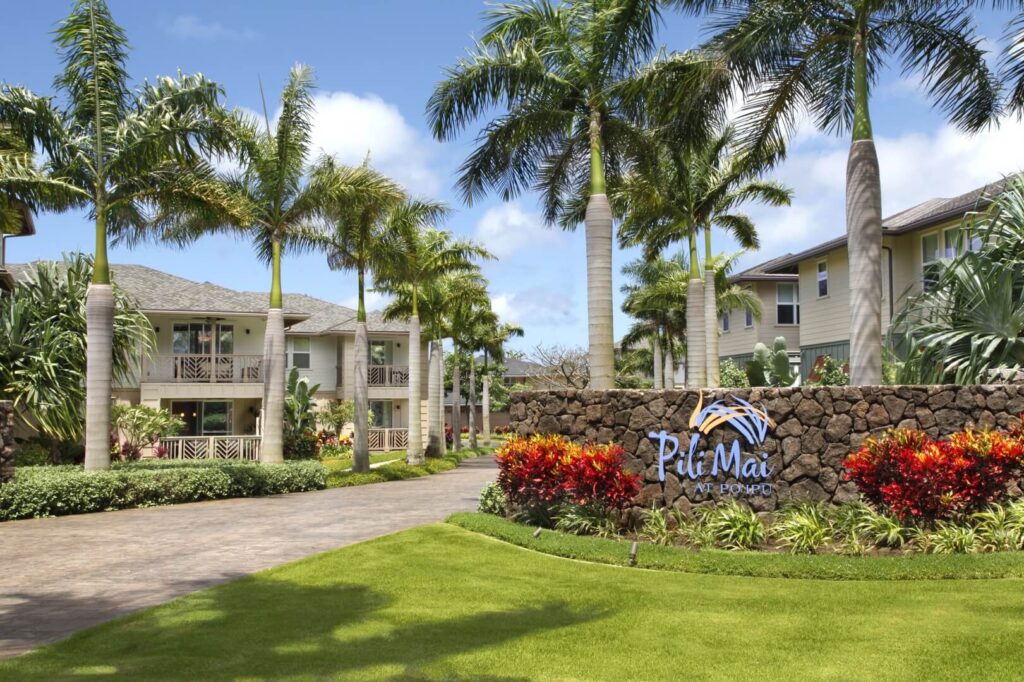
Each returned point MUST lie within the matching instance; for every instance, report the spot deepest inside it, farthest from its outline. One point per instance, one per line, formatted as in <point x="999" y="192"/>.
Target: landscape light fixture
<point x="632" y="553"/>
<point x="536" y="533"/>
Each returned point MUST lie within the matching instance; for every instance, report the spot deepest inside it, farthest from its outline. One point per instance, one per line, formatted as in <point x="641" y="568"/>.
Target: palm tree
<point x="114" y="152"/>
<point x="564" y="74"/>
<point x="464" y="312"/>
<point x="822" y="57"/>
<point x="355" y="237"/>
<point x="480" y="321"/>
<point x="435" y="299"/>
<point x="413" y="254"/>
<point x="271" y="202"/>
<point x="656" y="296"/>
<point x="682" y="190"/>
<point x="492" y="340"/>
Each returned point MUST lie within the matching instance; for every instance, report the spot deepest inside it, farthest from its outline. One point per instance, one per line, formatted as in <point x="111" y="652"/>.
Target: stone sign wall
<point x="6" y="440"/>
<point x="813" y="430"/>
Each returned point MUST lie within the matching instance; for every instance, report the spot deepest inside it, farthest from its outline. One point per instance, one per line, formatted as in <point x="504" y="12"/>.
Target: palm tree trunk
<point x="599" y="269"/>
<point x="659" y="382"/>
<point x="696" y="341"/>
<point x="361" y="439"/>
<point x="435" y="431"/>
<point x="710" y="330"/>
<point x="414" y="454"/>
<point x="443" y="450"/>
<point x="272" y="441"/>
<point x="670" y="369"/>
<point x="486" y="407"/>
<point x="99" y="312"/>
<point x="472" y="402"/>
<point x="456" y="399"/>
<point x="864" y="235"/>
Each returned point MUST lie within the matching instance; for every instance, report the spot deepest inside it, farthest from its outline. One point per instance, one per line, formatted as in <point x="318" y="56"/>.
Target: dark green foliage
<point x="492" y="500"/>
<point x="770" y="366"/>
<point x="301" y="444"/>
<point x="57" y="491"/>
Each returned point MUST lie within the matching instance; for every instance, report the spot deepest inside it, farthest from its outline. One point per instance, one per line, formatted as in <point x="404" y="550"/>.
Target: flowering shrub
<point x="541" y="473"/>
<point x="917" y="477"/>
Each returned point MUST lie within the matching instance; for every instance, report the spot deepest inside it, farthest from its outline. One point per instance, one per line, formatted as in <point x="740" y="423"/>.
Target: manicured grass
<point x="338" y="477"/>
<point x="755" y="564"/>
<point x="440" y="602"/>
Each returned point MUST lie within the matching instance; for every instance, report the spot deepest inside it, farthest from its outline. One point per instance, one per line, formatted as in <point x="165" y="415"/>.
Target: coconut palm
<point x="116" y="153"/>
<point x="414" y="253"/>
<point x="822" y="58"/>
<point x="563" y="72"/>
<point x="480" y="320"/>
<point x="682" y="190"/>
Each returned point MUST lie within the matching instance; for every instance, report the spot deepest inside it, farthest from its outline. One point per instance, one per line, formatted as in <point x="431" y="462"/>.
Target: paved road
<point x="63" y="574"/>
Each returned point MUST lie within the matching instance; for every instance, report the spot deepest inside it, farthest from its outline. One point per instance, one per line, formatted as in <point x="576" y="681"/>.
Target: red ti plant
<point x="916" y="477"/>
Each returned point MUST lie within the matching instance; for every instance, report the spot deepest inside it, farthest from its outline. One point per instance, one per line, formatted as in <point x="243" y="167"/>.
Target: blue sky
<point x="376" y="64"/>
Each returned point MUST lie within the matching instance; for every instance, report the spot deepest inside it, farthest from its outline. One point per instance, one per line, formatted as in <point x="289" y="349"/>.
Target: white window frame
<point x="925" y="264"/>
<point x="292" y="352"/>
<point x="795" y="303"/>
<point x="819" y="279"/>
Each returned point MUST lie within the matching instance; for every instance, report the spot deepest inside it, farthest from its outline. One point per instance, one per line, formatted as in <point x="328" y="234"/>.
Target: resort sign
<point x="751" y="471"/>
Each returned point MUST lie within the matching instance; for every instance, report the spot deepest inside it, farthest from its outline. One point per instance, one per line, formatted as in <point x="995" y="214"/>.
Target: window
<point x="196" y="338"/>
<point x="822" y="278"/>
<point x="787" y="309"/>
<point x="298" y="352"/>
<point x="931" y="265"/>
<point x="725" y="322"/>
<point x="952" y="241"/>
<point x="381" y="412"/>
<point x="204" y="417"/>
<point x="381" y="352"/>
<point x="748" y="318"/>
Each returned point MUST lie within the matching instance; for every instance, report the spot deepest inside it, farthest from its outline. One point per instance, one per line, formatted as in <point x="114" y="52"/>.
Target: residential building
<point x="27" y="227"/>
<point x="914" y="244"/>
<point x="778" y="290"/>
<point x="208" y="363"/>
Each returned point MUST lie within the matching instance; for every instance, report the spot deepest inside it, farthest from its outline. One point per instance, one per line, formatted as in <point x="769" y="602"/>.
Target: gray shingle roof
<point x="158" y="291"/>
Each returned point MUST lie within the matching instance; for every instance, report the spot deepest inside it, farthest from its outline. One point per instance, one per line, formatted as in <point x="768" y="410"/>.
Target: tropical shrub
<point x="299" y="405"/>
<point x="301" y="444"/>
<point x="541" y="473"/>
<point x="138" y="426"/>
<point x="335" y="415"/>
<point x="655" y="527"/>
<point x="828" y="371"/>
<point x="31" y="453"/>
<point x="733" y="526"/>
<point x="731" y="376"/>
<point x="60" y="490"/>
<point x="803" y="528"/>
<point x="492" y="500"/>
<point x="952" y="538"/>
<point x="586" y="519"/>
<point x="913" y="476"/>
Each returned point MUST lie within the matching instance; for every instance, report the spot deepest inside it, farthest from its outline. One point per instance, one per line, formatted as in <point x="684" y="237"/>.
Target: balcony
<point x="188" y="368"/>
<point x="387" y="375"/>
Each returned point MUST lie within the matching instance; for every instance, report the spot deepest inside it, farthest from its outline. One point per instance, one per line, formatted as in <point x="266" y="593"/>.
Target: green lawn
<point x="339" y="476"/>
<point x="441" y="602"/>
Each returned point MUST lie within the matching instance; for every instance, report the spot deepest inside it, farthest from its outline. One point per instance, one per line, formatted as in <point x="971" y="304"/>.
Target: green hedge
<point x="755" y="564"/>
<point x="60" y="490"/>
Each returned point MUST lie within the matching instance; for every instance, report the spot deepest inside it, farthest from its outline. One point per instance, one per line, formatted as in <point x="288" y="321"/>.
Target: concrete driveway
<point x="59" y="575"/>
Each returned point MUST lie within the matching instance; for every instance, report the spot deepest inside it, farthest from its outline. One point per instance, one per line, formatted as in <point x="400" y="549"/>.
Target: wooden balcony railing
<point x="382" y="440"/>
<point x="387" y="375"/>
<point x="212" y="447"/>
<point x="198" y="368"/>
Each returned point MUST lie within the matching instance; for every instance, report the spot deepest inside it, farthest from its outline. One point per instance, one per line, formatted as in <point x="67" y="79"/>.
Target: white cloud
<point x="536" y="305"/>
<point x="188" y="27"/>
<point x="350" y="126"/>
<point x="507" y="228"/>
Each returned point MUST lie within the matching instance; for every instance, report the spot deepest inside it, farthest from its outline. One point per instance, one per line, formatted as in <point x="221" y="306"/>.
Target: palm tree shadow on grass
<point x="265" y="628"/>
